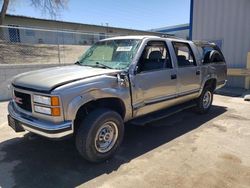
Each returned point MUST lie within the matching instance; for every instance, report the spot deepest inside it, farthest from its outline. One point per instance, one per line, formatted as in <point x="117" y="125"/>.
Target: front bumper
<point x="46" y="129"/>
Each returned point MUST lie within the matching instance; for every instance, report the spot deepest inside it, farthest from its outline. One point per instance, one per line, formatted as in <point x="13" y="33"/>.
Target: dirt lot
<point x="185" y="150"/>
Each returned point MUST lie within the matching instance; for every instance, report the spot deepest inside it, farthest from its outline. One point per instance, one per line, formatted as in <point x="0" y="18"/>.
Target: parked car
<point x="131" y="78"/>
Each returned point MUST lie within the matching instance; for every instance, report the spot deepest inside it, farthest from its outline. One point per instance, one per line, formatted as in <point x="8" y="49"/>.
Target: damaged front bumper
<point x="20" y="122"/>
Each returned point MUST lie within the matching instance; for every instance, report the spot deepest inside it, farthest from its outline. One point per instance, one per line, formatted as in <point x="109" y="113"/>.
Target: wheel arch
<point x="112" y="103"/>
<point x="209" y="81"/>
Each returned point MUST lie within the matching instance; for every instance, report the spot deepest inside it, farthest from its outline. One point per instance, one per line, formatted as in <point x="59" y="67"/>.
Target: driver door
<point x="155" y="80"/>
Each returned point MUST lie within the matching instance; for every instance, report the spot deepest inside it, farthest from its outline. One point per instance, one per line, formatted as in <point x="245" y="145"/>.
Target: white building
<point x="181" y="30"/>
<point x="226" y="23"/>
<point x="31" y="30"/>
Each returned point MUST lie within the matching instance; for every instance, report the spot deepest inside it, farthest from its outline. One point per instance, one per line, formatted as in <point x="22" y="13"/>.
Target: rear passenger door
<point x="188" y="72"/>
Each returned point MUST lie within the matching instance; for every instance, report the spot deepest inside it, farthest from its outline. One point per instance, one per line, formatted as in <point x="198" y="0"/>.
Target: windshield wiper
<point x="103" y="65"/>
<point x="97" y="64"/>
<point x="78" y="63"/>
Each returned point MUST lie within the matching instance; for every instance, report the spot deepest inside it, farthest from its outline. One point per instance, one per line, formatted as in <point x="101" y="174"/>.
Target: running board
<point x="155" y="116"/>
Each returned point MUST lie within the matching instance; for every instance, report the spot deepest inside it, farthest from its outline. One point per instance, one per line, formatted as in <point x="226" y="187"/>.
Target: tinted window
<point x="184" y="54"/>
<point x="154" y="57"/>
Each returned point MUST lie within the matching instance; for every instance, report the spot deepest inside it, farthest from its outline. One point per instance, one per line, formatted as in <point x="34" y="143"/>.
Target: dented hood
<point x="47" y="79"/>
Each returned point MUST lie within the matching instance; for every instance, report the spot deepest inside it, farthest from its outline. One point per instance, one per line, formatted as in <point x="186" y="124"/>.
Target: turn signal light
<point x="55" y="112"/>
<point x="55" y="101"/>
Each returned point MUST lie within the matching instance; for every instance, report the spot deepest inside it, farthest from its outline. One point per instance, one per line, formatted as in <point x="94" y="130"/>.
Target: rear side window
<point x="184" y="54"/>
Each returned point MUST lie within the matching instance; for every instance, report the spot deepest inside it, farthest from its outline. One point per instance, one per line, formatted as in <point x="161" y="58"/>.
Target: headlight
<point x="53" y="100"/>
<point x="47" y="110"/>
<point x="43" y="110"/>
<point x="42" y="99"/>
<point x="52" y="105"/>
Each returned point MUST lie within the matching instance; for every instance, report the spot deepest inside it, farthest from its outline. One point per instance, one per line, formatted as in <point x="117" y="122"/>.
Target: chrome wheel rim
<point x="207" y="98"/>
<point x="106" y="137"/>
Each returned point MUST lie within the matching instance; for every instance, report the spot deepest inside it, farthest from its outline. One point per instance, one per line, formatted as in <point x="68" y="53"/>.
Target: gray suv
<point x="138" y="79"/>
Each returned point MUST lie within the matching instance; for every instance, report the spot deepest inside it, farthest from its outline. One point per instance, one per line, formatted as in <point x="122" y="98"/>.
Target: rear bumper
<point x="46" y="129"/>
<point x="221" y="84"/>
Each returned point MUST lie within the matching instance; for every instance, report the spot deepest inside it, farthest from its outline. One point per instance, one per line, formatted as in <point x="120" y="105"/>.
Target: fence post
<point x="58" y="48"/>
<point x="247" y="78"/>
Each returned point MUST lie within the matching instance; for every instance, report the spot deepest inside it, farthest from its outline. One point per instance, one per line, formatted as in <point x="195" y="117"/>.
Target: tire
<point x="204" y="102"/>
<point x="99" y="135"/>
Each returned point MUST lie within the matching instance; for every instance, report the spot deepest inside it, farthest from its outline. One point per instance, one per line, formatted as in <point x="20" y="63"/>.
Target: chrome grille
<point x="23" y="100"/>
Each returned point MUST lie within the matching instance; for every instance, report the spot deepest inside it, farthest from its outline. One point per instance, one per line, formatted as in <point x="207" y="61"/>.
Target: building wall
<point x="34" y="31"/>
<point x="46" y="36"/>
<point x="227" y="23"/>
<point x="68" y="26"/>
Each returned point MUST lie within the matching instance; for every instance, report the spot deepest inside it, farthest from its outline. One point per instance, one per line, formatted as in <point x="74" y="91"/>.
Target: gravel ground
<point x="184" y="150"/>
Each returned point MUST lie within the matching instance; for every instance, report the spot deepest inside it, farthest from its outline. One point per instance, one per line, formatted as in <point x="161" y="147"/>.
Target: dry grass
<point x="18" y="53"/>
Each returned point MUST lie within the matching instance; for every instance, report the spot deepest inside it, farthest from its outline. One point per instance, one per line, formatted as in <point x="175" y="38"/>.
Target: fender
<point x="207" y="77"/>
<point x="94" y="95"/>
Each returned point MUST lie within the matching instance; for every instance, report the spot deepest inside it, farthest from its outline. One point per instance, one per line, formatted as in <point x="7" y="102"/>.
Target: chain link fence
<point x="19" y="45"/>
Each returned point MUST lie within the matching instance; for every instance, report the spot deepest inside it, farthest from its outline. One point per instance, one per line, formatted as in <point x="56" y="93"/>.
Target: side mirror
<point x="122" y="79"/>
<point x="136" y="70"/>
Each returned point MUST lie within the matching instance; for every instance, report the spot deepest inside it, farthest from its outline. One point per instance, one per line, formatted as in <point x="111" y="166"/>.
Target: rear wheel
<point x="99" y="135"/>
<point x="204" y="102"/>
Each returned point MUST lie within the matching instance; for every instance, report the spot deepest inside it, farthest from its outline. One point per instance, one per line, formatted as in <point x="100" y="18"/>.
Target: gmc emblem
<point x="18" y="100"/>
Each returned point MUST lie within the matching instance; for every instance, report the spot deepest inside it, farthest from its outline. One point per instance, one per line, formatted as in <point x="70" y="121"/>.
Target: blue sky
<point x="135" y="14"/>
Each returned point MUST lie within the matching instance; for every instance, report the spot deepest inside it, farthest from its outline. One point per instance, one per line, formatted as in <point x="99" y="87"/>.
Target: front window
<point x="154" y="57"/>
<point x="113" y="54"/>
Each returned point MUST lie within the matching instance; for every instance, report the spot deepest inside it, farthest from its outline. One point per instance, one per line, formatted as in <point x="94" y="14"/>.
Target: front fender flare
<point x="79" y="101"/>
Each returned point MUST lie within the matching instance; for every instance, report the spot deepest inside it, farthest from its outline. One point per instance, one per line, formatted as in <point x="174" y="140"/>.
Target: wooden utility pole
<point x="4" y="10"/>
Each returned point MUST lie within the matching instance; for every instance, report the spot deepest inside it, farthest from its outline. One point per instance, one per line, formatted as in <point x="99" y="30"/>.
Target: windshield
<point x="113" y="54"/>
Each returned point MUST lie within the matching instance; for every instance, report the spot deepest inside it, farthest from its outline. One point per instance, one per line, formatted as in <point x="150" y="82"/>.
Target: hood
<point x="45" y="80"/>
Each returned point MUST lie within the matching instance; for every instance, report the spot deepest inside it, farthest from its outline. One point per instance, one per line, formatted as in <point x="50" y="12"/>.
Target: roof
<point x="172" y="28"/>
<point x="77" y="23"/>
<point x="201" y="42"/>
<point x="139" y="37"/>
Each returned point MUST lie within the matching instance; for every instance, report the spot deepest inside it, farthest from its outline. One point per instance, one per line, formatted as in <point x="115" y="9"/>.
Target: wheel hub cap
<point x="106" y="137"/>
<point x="207" y="99"/>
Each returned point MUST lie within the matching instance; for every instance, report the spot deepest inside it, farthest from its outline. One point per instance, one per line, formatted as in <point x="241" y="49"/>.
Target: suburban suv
<point x="132" y="78"/>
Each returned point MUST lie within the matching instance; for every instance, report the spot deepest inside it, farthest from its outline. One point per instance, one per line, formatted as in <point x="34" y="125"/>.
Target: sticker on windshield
<point x="124" y="48"/>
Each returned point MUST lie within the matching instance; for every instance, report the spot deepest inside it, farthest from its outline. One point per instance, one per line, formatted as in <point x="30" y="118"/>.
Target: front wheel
<point x="204" y="102"/>
<point x="100" y="135"/>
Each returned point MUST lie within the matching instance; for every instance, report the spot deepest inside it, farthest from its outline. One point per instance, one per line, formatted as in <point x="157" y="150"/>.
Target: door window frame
<point x="154" y="70"/>
<point x="192" y="53"/>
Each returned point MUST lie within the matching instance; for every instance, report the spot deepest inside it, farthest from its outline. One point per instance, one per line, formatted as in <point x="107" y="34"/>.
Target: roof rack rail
<point x="170" y="36"/>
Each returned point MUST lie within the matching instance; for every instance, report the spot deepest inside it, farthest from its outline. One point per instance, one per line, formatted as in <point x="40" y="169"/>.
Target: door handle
<point x="173" y="76"/>
<point x="198" y="72"/>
